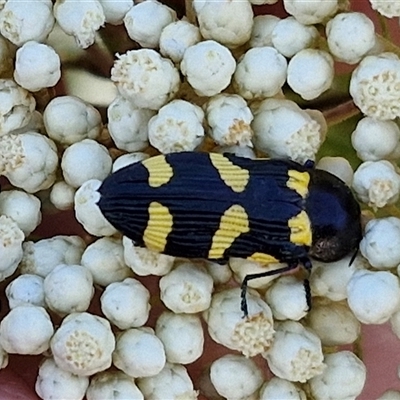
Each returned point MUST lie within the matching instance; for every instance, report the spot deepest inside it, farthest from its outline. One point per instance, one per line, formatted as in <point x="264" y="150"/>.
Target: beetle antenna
<point x="353" y="257"/>
<point x="250" y="277"/>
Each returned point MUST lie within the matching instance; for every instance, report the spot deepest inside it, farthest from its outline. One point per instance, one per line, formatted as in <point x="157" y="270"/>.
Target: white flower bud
<point x="145" y="78"/>
<point x="68" y="289"/>
<point x="29" y="160"/>
<point x="261" y="34"/>
<point x="173" y="382"/>
<point x="287" y="298"/>
<point x="80" y="19"/>
<point x="11" y="238"/>
<point x="334" y="323"/>
<point x="83" y="344"/>
<point x="330" y="279"/>
<point x="104" y="258"/>
<point x="3" y="358"/>
<point x="145" y="21"/>
<point x="229" y="118"/>
<point x="235" y="376"/>
<point x="252" y="68"/>
<point x="84" y="121"/>
<point x="145" y="262"/>
<point x="62" y="196"/>
<point x="390" y="394"/>
<point x="139" y="352"/>
<point x="381" y="243"/>
<point x="128" y="159"/>
<point x="53" y="382"/>
<point x="26" y="330"/>
<point x="41" y="257"/>
<point x="374" y="139"/>
<point x="181" y="335"/>
<point x="283" y="130"/>
<point x="177" y="127"/>
<point x="23" y="21"/>
<point x="242" y="267"/>
<point x="113" y="385"/>
<point x="220" y="273"/>
<point x="338" y="166"/>
<point x="343" y="378"/>
<point x="85" y="160"/>
<point x="37" y="66"/>
<point x="374" y="86"/>
<point x="227" y="22"/>
<point x="35" y="124"/>
<point x="23" y="208"/>
<point x="87" y="211"/>
<point x="376" y="183"/>
<point x="128" y="125"/>
<point x="114" y="11"/>
<point x="277" y="388"/>
<point x="226" y="325"/>
<point x="176" y="37"/>
<point x="311" y="12"/>
<point x="186" y="289"/>
<point x="373" y="296"/>
<point x="388" y="9"/>
<point x="350" y="36"/>
<point x="208" y="67"/>
<point x="17" y="106"/>
<point x="126" y="303"/>
<point x="395" y="323"/>
<point x="25" y="290"/>
<point x="296" y="353"/>
<point x="310" y="73"/>
<point x="290" y="36"/>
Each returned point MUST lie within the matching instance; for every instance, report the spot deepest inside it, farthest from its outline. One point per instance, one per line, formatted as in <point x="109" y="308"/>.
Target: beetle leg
<point x="307" y="266"/>
<point x="250" y="277"/>
<point x="307" y="289"/>
<point x="353" y="257"/>
<point x="219" y="261"/>
<point x="309" y="164"/>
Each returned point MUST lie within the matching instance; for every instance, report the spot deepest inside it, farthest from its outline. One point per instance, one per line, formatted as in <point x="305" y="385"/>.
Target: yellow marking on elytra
<point x="158" y="227"/>
<point x="160" y="172"/>
<point x="300" y="229"/>
<point x="234" y="176"/>
<point x="263" y="258"/>
<point x="299" y="182"/>
<point x="233" y="223"/>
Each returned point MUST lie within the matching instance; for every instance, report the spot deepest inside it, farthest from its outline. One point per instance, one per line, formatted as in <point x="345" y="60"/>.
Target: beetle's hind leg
<point x="250" y="277"/>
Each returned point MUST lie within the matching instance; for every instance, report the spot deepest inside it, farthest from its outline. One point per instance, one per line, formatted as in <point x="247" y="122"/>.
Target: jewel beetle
<point x="216" y="206"/>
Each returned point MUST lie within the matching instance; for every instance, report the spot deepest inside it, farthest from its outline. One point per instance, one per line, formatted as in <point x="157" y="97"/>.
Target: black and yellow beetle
<point x="214" y="206"/>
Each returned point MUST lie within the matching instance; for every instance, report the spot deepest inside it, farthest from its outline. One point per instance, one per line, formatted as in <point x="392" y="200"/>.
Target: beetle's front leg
<point x="307" y="266"/>
<point x="250" y="277"/>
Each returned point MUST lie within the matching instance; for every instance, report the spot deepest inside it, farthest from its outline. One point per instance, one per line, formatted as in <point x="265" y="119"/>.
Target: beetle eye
<point x="334" y="215"/>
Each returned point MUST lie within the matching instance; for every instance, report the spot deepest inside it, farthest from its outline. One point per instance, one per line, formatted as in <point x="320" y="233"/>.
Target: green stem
<point x="190" y="14"/>
<point x="340" y="113"/>
<point x="389" y="45"/>
<point x="384" y="27"/>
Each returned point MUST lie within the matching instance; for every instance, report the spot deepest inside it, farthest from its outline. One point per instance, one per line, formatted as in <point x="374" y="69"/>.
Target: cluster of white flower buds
<point x="218" y="81"/>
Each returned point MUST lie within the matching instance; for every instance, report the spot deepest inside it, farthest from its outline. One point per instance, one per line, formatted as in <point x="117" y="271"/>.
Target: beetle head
<point x="335" y="217"/>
